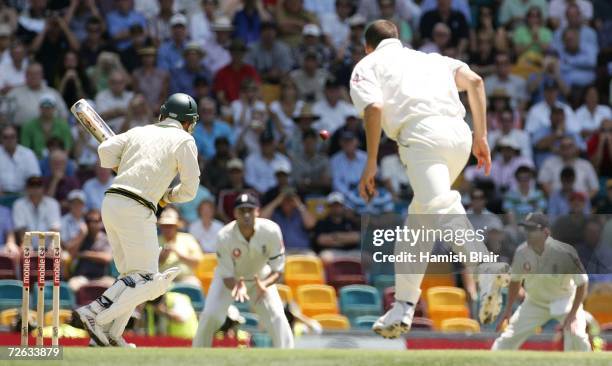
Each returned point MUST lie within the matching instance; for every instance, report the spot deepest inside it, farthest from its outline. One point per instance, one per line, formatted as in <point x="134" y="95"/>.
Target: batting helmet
<point x="181" y="107"/>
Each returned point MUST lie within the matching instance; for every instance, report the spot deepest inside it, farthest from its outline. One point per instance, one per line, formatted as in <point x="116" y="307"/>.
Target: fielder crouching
<point x="146" y="160"/>
<point x="251" y="258"/>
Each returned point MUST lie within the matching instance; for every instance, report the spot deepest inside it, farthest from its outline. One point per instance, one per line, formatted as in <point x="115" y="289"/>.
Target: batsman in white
<point x="555" y="286"/>
<point x="146" y="160"/>
<point x="414" y="98"/>
<point x="251" y="258"/>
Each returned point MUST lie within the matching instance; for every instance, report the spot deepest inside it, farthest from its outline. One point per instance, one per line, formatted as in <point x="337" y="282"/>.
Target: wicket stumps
<point x="40" y="309"/>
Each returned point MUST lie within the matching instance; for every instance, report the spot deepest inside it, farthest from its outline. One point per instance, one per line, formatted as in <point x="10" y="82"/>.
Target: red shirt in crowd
<point x="228" y="80"/>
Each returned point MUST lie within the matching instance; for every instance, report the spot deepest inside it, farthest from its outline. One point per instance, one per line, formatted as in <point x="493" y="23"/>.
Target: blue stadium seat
<point x="194" y="293"/>
<point x="364" y="322"/>
<point x="67" y="298"/>
<point x="10" y="294"/>
<point x="383" y="281"/>
<point x="244" y="307"/>
<point x="262" y="340"/>
<point x="357" y="300"/>
<point x="252" y="320"/>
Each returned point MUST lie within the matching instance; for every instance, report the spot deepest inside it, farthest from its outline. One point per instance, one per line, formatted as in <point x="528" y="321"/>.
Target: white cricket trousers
<point x="270" y="311"/>
<point x="434" y="151"/>
<point x="528" y="317"/>
<point x="132" y="233"/>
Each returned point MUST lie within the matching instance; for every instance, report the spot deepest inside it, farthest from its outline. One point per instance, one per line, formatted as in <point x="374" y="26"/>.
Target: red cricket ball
<point x="324" y="134"/>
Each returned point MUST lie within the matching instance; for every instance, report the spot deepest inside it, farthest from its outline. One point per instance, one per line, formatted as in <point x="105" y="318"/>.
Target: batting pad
<point x="130" y="291"/>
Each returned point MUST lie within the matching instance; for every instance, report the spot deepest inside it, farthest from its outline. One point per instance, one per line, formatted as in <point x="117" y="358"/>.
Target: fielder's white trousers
<point x="434" y="151"/>
<point x="132" y="233"/>
<point x="270" y="311"/>
<point x="528" y="317"/>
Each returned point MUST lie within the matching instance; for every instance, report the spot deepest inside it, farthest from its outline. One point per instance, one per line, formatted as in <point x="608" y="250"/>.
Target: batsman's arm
<point x="189" y="172"/>
<point x="110" y="151"/>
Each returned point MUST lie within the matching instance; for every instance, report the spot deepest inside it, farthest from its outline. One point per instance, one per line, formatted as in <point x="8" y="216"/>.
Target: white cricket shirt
<point x="410" y="85"/>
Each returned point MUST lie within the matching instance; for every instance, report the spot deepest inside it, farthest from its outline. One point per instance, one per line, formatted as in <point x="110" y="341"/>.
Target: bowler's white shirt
<point x="149" y="157"/>
<point x="16" y="169"/>
<point x="410" y="85"/>
<point x="238" y="257"/>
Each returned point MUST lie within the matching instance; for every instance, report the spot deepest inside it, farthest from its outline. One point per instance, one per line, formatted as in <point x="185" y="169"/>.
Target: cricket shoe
<point x="396" y="321"/>
<point x="84" y="318"/>
<point x="119" y="342"/>
<point x="492" y="278"/>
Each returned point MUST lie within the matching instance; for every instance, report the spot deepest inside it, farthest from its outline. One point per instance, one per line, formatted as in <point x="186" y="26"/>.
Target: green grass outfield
<point x="353" y="357"/>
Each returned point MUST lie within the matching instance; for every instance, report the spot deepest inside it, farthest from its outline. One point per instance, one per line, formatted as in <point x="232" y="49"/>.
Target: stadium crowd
<point x="267" y="76"/>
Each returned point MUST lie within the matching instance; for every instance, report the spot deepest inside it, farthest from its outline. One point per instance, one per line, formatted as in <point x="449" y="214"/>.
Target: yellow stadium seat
<point x="598" y="304"/>
<point x="8" y="316"/>
<point x="465" y="325"/>
<point x="444" y="302"/>
<point x="333" y="321"/>
<point x="64" y="316"/>
<point x="285" y="292"/>
<point x="317" y="206"/>
<point x="303" y="270"/>
<point x="433" y="280"/>
<point x="206" y="270"/>
<point x="317" y="299"/>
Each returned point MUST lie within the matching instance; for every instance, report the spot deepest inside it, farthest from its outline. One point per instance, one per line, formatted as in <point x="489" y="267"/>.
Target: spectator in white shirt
<point x="549" y="175"/>
<point x="514" y="85"/>
<point x="73" y="222"/>
<point x="310" y="78"/>
<point x="17" y="162"/>
<point x="259" y="166"/>
<point x="507" y="129"/>
<point x="35" y="211"/>
<point x="539" y="114"/>
<point x="95" y="187"/>
<point x="591" y="113"/>
<point x="112" y="103"/>
<point x="332" y="109"/>
<point x="206" y="228"/>
<point x="12" y="72"/>
<point x="335" y="24"/>
<point x="217" y="53"/>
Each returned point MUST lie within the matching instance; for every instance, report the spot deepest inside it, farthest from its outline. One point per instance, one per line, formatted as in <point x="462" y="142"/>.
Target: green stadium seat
<point x="194" y="293"/>
<point x="357" y="300"/>
<point x="11" y="292"/>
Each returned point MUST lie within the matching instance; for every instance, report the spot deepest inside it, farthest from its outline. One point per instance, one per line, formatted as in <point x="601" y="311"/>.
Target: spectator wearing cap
<point x="120" y="20"/>
<point x="312" y="41"/>
<point x="336" y="235"/>
<point x="58" y="184"/>
<point x="17" y="164"/>
<point x="294" y="219"/>
<point x="357" y="23"/>
<point x="235" y="187"/>
<point x="304" y="120"/>
<point x="170" y="54"/>
<point x="112" y="103"/>
<point x="452" y="18"/>
<point x="558" y="11"/>
<point x="259" y="171"/>
<point x="183" y="78"/>
<point x="95" y="187"/>
<point x="549" y="175"/>
<point x="35" y="211"/>
<point x="440" y="40"/>
<point x="285" y="108"/>
<point x="334" y="24"/>
<point x="332" y="109"/>
<point x="94" y="43"/>
<point x="599" y="149"/>
<point x="216" y="176"/>
<point x="178" y="249"/>
<point x="559" y="202"/>
<point x="310" y="171"/>
<point x="209" y="128"/>
<point x="533" y="36"/>
<point x="539" y="114"/>
<point x="201" y="22"/>
<point x="270" y="56"/>
<point x="248" y="21"/>
<point x="73" y="222"/>
<point x="130" y="58"/>
<point x="149" y="80"/>
<point x="8" y="244"/>
<point x="347" y="164"/>
<point x="91" y="254"/>
<point x="478" y="214"/>
<point x="34" y="89"/>
<point x="158" y="25"/>
<point x="229" y="79"/>
<point x="515" y="86"/>
<point x="310" y="78"/>
<point x="206" y="227"/>
<point x="217" y="47"/>
<point x="577" y="62"/>
<point x="507" y="128"/>
<point x="282" y="173"/>
<point x="603" y="204"/>
<point x="292" y="17"/>
<point x="525" y="198"/>
<point x="513" y="12"/>
<point x="13" y="69"/>
<point x="591" y="114"/>
<point x="352" y="122"/>
<point x="36" y="132"/>
<point x="587" y="35"/>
